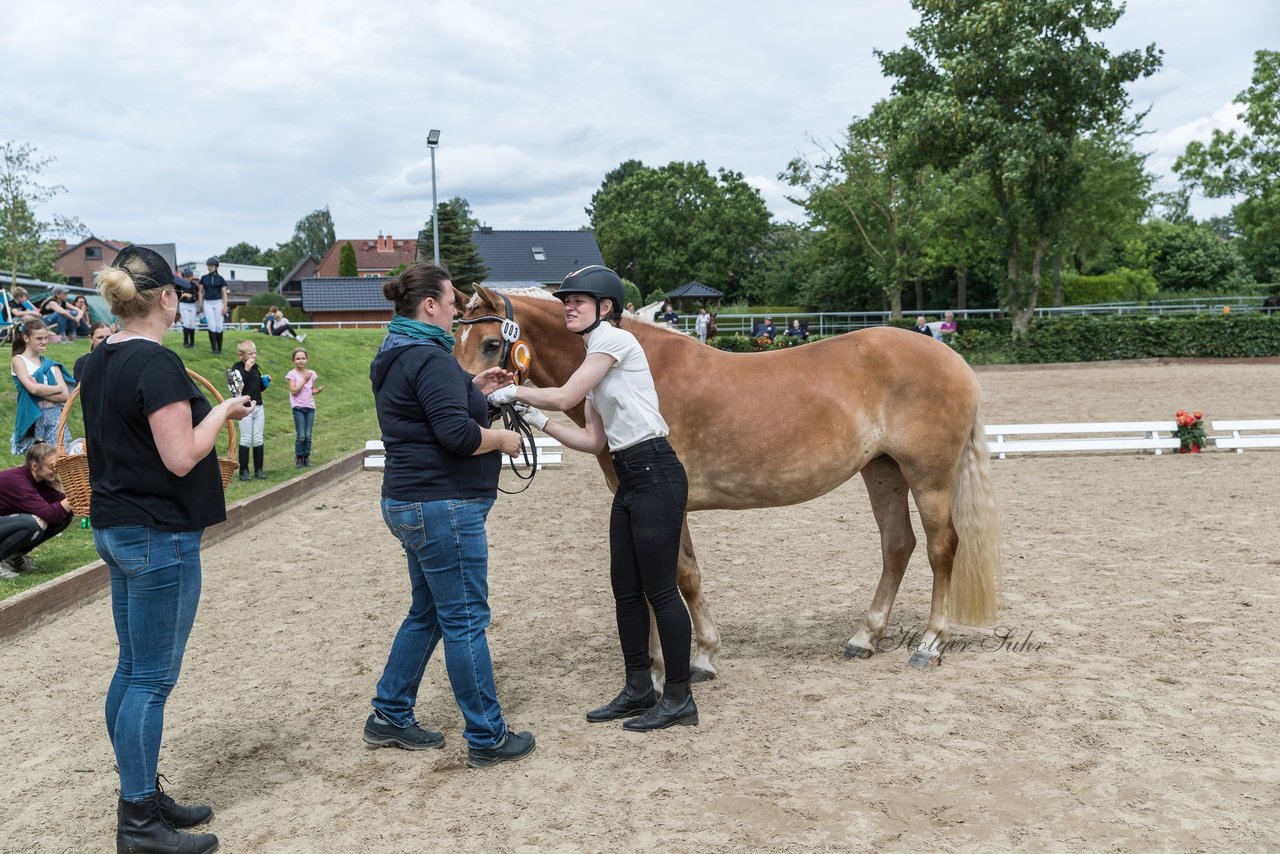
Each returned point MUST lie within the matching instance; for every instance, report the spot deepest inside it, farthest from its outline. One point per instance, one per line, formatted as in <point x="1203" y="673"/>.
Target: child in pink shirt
<point x="302" y="391"/>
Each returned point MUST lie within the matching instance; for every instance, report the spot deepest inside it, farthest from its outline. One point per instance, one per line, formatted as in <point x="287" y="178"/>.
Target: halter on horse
<point x="515" y="357"/>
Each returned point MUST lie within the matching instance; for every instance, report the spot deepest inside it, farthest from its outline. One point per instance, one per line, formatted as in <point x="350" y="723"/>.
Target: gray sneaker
<point x="6" y="571"/>
<point x="380" y="733"/>
<point x="23" y="563"/>
<point x="513" y="747"/>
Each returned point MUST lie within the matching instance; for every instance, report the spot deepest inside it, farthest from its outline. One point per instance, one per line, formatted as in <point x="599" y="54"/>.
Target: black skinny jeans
<point x="644" y="547"/>
<point x="20" y="533"/>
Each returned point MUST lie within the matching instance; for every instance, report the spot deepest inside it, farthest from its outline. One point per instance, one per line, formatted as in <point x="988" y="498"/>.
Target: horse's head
<point x="537" y="319"/>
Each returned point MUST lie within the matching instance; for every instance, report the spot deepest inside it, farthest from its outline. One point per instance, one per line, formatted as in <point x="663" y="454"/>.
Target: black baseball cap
<point x="158" y="273"/>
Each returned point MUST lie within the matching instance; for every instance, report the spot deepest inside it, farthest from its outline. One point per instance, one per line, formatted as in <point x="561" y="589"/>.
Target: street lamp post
<point x="433" y="141"/>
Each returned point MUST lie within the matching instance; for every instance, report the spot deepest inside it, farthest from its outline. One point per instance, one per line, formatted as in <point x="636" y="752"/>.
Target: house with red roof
<point x="79" y="262"/>
<point x="374" y="258"/>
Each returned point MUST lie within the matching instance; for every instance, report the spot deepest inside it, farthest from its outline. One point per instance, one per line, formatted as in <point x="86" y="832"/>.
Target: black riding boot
<point x="213" y="342"/>
<point x="675" y="707"/>
<point x="142" y="829"/>
<point x="181" y="815"/>
<point x="244" y="462"/>
<point x="257" y="463"/>
<point x="635" y="698"/>
<point x="220" y="334"/>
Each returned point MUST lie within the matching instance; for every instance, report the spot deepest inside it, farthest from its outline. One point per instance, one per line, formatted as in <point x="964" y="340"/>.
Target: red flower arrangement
<point x="1190" y="431"/>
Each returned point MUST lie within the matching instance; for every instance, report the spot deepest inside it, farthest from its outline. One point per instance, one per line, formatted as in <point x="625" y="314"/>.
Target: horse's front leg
<point x="705" y="633"/>
<point x="706" y="636"/>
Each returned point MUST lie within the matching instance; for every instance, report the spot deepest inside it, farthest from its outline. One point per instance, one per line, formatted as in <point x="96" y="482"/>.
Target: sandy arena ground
<point x="1141" y="716"/>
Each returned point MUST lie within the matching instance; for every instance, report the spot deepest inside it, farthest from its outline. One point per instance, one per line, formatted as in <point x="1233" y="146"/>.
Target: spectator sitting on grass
<point x="277" y="324"/>
<point x="33" y="509"/>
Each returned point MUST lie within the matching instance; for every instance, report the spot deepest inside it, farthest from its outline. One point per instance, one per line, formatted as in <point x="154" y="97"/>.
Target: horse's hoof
<point x="697" y="674"/>
<point x="924" y="660"/>
<point x="851" y="651"/>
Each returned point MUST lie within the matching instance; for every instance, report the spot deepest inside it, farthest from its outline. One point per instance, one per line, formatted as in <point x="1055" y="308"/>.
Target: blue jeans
<point x="155" y="588"/>
<point x="303" y="419"/>
<point x="66" y="326"/>
<point x="448" y="556"/>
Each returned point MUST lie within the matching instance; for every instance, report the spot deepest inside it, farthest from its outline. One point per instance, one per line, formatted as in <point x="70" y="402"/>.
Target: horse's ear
<point x="488" y="298"/>
<point x="460" y="297"/>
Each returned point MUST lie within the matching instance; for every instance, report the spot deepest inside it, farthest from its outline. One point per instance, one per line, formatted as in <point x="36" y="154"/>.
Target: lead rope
<point x="513" y="420"/>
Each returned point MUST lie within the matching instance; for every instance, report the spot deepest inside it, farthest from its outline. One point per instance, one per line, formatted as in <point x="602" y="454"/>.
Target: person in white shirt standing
<point x="648" y="506"/>
<point x="701" y="324"/>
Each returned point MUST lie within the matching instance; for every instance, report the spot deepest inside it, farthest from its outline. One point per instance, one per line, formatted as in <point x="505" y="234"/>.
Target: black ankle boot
<point x="635" y="698"/>
<point x="181" y="815"/>
<point x="142" y="829"/>
<point x="675" y="708"/>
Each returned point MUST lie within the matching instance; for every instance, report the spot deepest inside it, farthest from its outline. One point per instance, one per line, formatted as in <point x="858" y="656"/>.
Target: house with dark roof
<point x="516" y="259"/>
<point x="523" y="259"/>
<point x="373" y="257"/>
<point x="355" y="301"/>
<point x="79" y="262"/>
<point x="291" y="284"/>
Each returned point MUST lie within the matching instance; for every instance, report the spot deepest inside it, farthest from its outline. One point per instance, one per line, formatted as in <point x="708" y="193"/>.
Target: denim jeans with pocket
<point x="155" y="588"/>
<point x="448" y="554"/>
<point x="303" y="419"/>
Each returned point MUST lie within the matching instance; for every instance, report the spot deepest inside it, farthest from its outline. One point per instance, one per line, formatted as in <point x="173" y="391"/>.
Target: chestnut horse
<point x="899" y="407"/>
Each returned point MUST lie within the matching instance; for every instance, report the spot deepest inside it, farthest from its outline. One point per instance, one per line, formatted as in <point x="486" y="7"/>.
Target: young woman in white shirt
<point x="648" y="508"/>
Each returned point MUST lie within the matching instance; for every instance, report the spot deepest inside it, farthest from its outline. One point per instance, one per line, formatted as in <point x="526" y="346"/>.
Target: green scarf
<point x="410" y="328"/>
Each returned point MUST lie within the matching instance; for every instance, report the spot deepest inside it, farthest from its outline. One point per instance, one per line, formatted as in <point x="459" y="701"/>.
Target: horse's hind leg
<point x="934" y="505"/>
<point x="888" y="491"/>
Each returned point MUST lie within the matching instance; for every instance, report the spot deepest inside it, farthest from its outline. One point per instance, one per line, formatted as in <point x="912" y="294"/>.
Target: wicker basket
<point x="73" y="469"/>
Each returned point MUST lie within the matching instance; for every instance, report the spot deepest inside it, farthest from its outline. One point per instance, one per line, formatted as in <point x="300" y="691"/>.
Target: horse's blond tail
<point x="976" y="576"/>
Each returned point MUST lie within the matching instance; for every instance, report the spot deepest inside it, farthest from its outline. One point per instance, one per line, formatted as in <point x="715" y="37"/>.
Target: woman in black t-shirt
<point x="156" y="487"/>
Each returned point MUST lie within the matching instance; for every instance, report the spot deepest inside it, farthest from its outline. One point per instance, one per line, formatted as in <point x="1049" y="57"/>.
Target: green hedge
<point x="1102" y="338"/>
<point x="747" y="344"/>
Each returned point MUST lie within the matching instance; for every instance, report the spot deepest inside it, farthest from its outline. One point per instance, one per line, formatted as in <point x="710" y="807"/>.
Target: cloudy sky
<point x="207" y="125"/>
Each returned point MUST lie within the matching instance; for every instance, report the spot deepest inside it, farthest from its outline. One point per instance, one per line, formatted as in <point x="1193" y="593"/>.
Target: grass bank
<point x="345" y="419"/>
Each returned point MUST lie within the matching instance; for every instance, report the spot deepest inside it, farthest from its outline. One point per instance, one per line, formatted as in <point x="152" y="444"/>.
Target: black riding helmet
<point x="599" y="282"/>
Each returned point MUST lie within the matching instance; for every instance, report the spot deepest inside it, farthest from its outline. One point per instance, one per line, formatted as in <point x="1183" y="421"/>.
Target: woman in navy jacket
<point x="440" y="481"/>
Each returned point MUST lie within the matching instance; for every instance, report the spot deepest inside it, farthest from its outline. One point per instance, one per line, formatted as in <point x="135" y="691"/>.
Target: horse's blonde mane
<point x="536" y="293"/>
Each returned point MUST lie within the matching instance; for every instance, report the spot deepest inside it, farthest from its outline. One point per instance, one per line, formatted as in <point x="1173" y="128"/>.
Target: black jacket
<point x="430" y="415"/>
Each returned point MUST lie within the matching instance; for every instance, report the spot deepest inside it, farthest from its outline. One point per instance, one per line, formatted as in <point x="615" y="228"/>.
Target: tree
<point x="1183" y="257"/>
<point x="872" y="186"/>
<point x="662" y="227"/>
<point x="347" y="261"/>
<point x="1105" y="211"/>
<point x="26" y="241"/>
<point x="458" y="252"/>
<point x="1007" y="88"/>
<point x="244" y="253"/>
<point x="632" y="293"/>
<point x="314" y="234"/>
<point x="1246" y="164"/>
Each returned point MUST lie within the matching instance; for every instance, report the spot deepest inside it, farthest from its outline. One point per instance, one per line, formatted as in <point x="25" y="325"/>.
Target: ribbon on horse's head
<point x="515" y="350"/>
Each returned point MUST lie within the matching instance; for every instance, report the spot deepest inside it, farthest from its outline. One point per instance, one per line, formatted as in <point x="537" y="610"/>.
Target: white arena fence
<point x="1143" y="436"/>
